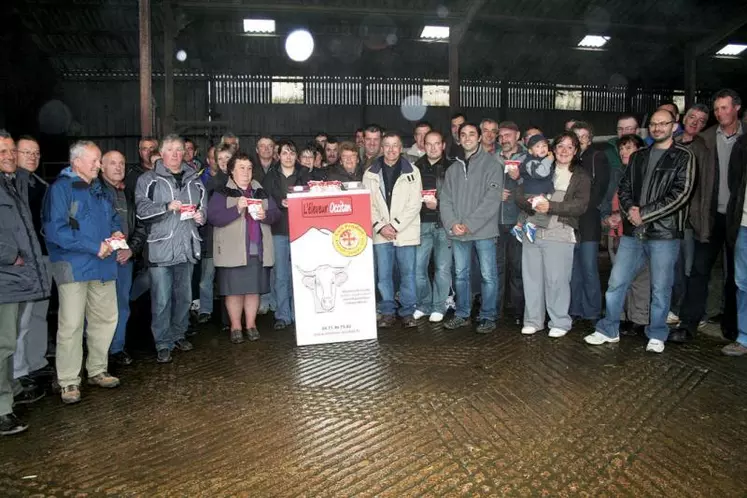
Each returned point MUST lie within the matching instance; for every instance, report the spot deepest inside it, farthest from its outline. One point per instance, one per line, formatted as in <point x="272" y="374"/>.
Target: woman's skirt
<point x="240" y="280"/>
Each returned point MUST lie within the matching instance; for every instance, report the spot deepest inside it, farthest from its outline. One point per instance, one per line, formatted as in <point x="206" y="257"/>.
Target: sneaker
<point x="386" y="322"/>
<point x="410" y="322"/>
<point x="27" y="383"/>
<point x="457" y="322"/>
<point x="28" y="396"/>
<point x="702" y="325"/>
<point x="450" y="302"/>
<point x="237" y="336"/>
<point x="164" y="356"/>
<point x="194" y="305"/>
<point x="263" y="310"/>
<point x="9" y="425"/>
<point x="436" y="317"/>
<point x="183" y="345"/>
<point x="517" y="232"/>
<point x="531" y="231"/>
<point x="556" y="333"/>
<point x="655" y="346"/>
<point x="70" y="394"/>
<point x="252" y="334"/>
<point x="598" y="338"/>
<point x="121" y="359"/>
<point x="418" y="315"/>
<point x="672" y="319"/>
<point x="104" y="379"/>
<point x="734" y="349"/>
<point x="280" y="325"/>
<point x="529" y="330"/>
<point x="485" y="326"/>
<point x="203" y="318"/>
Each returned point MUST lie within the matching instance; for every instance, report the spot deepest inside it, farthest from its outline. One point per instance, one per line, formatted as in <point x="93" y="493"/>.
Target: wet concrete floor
<point x="423" y="412"/>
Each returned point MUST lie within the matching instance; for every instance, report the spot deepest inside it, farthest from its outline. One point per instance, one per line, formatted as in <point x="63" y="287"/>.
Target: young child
<point x="536" y="171"/>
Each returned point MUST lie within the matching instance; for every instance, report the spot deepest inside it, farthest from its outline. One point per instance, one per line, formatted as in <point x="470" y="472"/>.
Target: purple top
<point x="219" y="216"/>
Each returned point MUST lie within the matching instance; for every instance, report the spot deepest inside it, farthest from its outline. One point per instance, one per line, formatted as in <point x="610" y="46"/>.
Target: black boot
<point x="681" y="335"/>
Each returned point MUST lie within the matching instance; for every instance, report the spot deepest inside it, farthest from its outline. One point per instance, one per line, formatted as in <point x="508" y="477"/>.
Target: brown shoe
<point x="237" y="337"/>
<point x="734" y="349"/>
<point x="409" y="322"/>
<point x="386" y="322"/>
<point x="70" y="394"/>
<point x="103" y="380"/>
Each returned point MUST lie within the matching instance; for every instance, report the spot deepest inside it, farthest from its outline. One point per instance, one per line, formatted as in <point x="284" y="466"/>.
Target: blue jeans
<point x="631" y="256"/>
<point x="140" y="284"/>
<point x="740" y="275"/>
<point x="486" y="257"/>
<point x="207" y="276"/>
<point x="432" y="298"/>
<point x="283" y="285"/>
<point x="170" y="297"/>
<point x="124" y="284"/>
<point x="385" y="255"/>
<point x="586" y="289"/>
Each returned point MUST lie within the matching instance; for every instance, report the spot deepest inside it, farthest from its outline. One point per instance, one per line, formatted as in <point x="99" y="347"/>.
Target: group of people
<point x="478" y="211"/>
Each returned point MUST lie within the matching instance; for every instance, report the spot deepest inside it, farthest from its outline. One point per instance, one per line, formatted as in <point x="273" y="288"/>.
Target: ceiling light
<point x="299" y="45"/>
<point x="593" y="41"/>
<point x="732" y="49"/>
<point x="435" y="33"/>
<point x="263" y="26"/>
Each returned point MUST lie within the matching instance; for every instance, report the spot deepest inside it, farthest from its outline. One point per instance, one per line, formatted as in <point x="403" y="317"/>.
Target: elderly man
<point x="396" y="193"/>
<point x="79" y="221"/>
<point x="171" y="200"/>
<point x="23" y="277"/>
<point x="30" y="363"/>
<point x="123" y="201"/>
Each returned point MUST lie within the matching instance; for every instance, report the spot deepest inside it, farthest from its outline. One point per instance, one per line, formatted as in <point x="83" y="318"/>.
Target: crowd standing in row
<point x="519" y="219"/>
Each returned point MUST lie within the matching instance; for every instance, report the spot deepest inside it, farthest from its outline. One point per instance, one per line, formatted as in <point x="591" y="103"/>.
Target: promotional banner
<point x="332" y="266"/>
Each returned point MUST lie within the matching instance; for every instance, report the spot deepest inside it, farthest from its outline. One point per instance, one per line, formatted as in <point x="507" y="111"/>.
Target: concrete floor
<point x="419" y="413"/>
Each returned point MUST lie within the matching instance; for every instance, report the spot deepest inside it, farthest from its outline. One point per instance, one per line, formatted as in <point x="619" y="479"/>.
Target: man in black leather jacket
<point x="654" y="194"/>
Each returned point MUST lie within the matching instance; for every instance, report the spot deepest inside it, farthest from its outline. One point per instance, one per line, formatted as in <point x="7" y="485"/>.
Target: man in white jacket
<point x="396" y="193"/>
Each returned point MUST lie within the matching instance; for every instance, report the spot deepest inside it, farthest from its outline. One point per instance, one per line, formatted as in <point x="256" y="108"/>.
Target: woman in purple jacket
<point x="241" y="213"/>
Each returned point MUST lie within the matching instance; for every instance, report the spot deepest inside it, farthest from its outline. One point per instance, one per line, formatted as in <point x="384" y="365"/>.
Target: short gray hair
<point x="228" y="134"/>
<point x="4" y="134"/>
<point x="78" y="148"/>
<point x="701" y="108"/>
<point x="171" y="138"/>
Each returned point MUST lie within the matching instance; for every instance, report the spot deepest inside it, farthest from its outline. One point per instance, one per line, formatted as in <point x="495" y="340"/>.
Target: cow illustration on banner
<point x="323" y="282"/>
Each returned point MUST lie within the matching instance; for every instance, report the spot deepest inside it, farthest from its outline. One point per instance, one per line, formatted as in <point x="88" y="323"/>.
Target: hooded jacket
<point x="404" y="212"/>
<point x="29" y="281"/>
<point x="77" y="217"/>
<point x="171" y="241"/>
<point x="472" y="195"/>
<point x="663" y="200"/>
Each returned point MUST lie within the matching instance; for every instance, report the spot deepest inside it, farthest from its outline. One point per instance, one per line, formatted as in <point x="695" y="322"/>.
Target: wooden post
<point x="168" y="68"/>
<point x="146" y="71"/>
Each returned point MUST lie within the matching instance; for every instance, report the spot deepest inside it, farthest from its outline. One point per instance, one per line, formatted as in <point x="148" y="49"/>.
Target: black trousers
<point x="511" y="286"/>
<point x="696" y="290"/>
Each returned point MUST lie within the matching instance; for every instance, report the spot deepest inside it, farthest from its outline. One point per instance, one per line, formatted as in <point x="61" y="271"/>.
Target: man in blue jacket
<point x="78" y="218"/>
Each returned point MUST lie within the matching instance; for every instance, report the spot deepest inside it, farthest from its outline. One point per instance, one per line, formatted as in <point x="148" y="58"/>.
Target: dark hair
<point x="373" y="128"/>
<point x="358" y="130"/>
<point x="469" y="123"/>
<point x="532" y="127"/>
<point x="628" y="116"/>
<point x="583" y="125"/>
<point x="309" y="147"/>
<point x="669" y="102"/>
<point x="576" y="145"/>
<point x="391" y="134"/>
<point x="287" y="142"/>
<point x="28" y="138"/>
<point x="631" y="138"/>
<point x="423" y="124"/>
<point x="149" y="139"/>
<point x="321" y="134"/>
<point x="332" y="140"/>
<point x="189" y="140"/>
<point x="508" y="125"/>
<point x="727" y="92"/>
<point x="5" y="135"/>
<point x="239" y="156"/>
<point x="458" y="115"/>
<point x="265" y="137"/>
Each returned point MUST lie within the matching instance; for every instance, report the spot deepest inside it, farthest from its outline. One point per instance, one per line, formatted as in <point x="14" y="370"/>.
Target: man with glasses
<point x="654" y="194"/>
<point x="714" y="183"/>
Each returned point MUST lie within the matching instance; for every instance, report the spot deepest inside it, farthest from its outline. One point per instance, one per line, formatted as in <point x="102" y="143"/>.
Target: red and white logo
<point x="314" y="208"/>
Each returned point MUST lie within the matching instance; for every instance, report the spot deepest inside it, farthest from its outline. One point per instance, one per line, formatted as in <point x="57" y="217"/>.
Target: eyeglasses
<point x="659" y="125"/>
<point x="28" y="153"/>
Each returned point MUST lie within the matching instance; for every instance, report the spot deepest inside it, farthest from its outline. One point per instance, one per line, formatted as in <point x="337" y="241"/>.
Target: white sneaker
<point x="436" y="317"/>
<point x="597" y="339"/>
<point x="655" y="346"/>
<point x="529" y="330"/>
<point x="672" y="319"/>
<point x="418" y="315"/>
<point x="556" y="332"/>
<point x="450" y="303"/>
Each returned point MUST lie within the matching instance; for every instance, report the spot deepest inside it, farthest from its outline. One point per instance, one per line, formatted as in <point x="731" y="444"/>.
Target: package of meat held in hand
<point x="428" y="195"/>
<point x="333" y="186"/>
<point x="117" y="243"/>
<point x="187" y="211"/>
<point x="511" y="165"/>
<point x="254" y="206"/>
